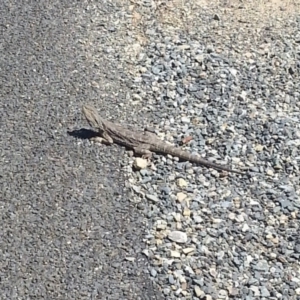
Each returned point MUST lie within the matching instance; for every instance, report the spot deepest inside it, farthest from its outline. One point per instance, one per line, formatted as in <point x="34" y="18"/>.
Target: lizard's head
<point x="92" y="116"/>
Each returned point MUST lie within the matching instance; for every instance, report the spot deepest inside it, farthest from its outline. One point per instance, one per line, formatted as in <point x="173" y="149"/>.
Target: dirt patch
<point x="181" y="13"/>
<point x="222" y="17"/>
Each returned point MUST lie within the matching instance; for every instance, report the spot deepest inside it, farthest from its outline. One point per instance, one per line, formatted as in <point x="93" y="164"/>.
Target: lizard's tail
<point x="184" y="155"/>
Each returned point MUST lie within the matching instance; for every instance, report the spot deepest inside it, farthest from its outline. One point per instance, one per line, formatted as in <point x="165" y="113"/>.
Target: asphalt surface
<point x="78" y="221"/>
<point x="68" y="229"/>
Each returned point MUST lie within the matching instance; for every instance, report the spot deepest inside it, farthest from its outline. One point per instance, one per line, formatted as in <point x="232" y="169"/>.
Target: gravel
<point x="79" y="221"/>
<point x="213" y="236"/>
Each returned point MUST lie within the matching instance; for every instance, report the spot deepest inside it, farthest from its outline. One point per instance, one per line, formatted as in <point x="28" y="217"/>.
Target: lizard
<point x="142" y="142"/>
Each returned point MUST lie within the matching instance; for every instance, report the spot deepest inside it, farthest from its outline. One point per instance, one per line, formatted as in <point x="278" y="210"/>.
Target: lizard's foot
<point x="147" y="156"/>
<point x="99" y="140"/>
<point x="107" y="138"/>
<point x="103" y="138"/>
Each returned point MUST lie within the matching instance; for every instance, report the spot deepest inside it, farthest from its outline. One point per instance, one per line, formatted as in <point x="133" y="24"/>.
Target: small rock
<point x="231" y="216"/>
<point x="198" y="292"/>
<point x="232" y="291"/>
<point x="233" y="72"/>
<point x="181" y="183"/>
<point x="184" y="286"/>
<point x="259" y="147"/>
<point x="177" y="217"/>
<point x="273" y="238"/>
<point x="140" y="163"/>
<point x="255" y="290"/>
<point x="216" y="17"/>
<point x="264" y="291"/>
<point x="181" y="196"/>
<point x="245" y="227"/>
<point x="137" y="97"/>
<point x="223" y="294"/>
<point x="199" y="58"/>
<point x="184" y="47"/>
<point x="188" y="250"/>
<point x="171" y="279"/>
<point x="186" y="212"/>
<point x="136" y="189"/>
<point x="171" y="94"/>
<point x="185" y="120"/>
<point x="261" y="265"/>
<point x="152" y="198"/>
<point x="166" y="291"/>
<point x="189" y="269"/>
<point x="248" y="54"/>
<point x="153" y="272"/>
<point x="161" y="225"/>
<point x="197" y="219"/>
<point x="130" y="258"/>
<point x="178" y="236"/>
<point x="216" y="221"/>
<point x="155" y="70"/>
<point x="174" y="253"/>
<point x="240" y="218"/>
<point x="213" y="272"/>
<point x="182" y="280"/>
<point x="178" y="291"/>
<point x="283" y="219"/>
<point x="243" y="96"/>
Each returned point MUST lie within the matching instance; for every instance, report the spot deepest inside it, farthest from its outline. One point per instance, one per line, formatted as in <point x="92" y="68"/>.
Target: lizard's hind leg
<point x="143" y="150"/>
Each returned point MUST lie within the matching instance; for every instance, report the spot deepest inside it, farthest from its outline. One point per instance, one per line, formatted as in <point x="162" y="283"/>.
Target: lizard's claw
<point x="147" y="156"/>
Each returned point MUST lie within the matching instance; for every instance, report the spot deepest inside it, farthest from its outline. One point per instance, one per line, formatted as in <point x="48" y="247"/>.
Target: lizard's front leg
<point x="104" y="138"/>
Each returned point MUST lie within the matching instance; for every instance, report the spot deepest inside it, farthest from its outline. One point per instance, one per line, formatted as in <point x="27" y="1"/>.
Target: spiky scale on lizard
<point x="143" y="143"/>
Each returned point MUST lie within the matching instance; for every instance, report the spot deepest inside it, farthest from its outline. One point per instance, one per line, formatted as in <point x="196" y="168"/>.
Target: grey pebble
<point x="264" y="291"/>
<point x="261" y="265"/>
<point x="178" y="236"/>
<point x="171" y="279"/>
<point x="197" y="219"/>
<point x="152" y="198"/>
<point x="153" y="272"/>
